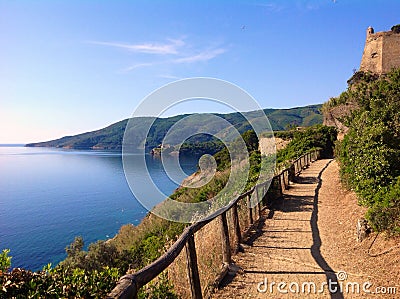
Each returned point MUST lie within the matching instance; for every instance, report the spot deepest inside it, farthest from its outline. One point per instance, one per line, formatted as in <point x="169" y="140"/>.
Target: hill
<point x="111" y="137"/>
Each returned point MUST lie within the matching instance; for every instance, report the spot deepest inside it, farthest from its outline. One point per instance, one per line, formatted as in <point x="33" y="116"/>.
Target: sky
<point x="69" y="66"/>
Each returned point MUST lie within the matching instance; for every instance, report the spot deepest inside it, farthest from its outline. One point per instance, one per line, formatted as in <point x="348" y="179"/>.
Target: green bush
<point x="58" y="282"/>
<point x="5" y="260"/>
<point x="396" y="28"/>
<point x="303" y="141"/>
<point x="369" y="154"/>
<point x="87" y="274"/>
<point x="285" y="135"/>
<point x="223" y="157"/>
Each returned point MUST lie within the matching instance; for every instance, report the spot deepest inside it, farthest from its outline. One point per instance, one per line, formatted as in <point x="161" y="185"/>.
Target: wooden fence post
<point x="257" y="210"/>
<point x="286" y="186"/>
<point x="236" y="227"/>
<point x="226" y="247"/>
<point x="193" y="271"/>
<point x="250" y="210"/>
<point x="292" y="173"/>
<point x="126" y="288"/>
<point x="289" y="170"/>
<point x="255" y="206"/>
<point x="264" y="198"/>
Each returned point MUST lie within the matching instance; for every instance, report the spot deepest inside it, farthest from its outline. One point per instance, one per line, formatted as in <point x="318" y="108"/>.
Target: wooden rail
<point x="129" y="285"/>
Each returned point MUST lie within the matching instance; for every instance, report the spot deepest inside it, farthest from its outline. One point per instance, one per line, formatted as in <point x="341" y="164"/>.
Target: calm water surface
<point x="49" y="196"/>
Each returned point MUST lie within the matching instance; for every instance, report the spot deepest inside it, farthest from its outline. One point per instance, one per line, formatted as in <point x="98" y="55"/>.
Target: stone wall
<point x="381" y="52"/>
<point x="391" y="52"/>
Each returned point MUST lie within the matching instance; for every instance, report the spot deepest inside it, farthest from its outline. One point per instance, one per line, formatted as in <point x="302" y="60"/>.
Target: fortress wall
<point x="381" y="52"/>
<point x="391" y="52"/>
<point x="372" y="55"/>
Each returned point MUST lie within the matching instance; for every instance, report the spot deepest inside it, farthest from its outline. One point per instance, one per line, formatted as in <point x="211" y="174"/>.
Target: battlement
<point x="381" y="52"/>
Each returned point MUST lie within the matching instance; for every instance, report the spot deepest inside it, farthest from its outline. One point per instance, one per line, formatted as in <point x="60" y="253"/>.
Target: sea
<point x="49" y="196"/>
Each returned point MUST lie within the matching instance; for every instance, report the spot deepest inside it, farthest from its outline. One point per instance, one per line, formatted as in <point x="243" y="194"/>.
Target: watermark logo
<point x="339" y="285"/>
<point x="137" y="139"/>
<point x="341" y="275"/>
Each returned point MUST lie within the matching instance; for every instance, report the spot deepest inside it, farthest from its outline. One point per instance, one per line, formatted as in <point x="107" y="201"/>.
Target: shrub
<point x="5" y="260"/>
<point x="369" y="154"/>
<point x="58" y="282"/>
<point x="303" y="141"/>
<point x="396" y="28"/>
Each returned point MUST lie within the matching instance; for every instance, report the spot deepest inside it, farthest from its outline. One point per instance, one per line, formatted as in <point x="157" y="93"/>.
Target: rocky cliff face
<point x="335" y="116"/>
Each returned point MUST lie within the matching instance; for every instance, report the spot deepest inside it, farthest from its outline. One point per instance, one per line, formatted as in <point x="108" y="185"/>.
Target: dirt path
<point x="308" y="241"/>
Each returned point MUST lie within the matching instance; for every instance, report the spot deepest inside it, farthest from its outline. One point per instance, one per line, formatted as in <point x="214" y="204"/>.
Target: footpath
<point x="305" y="247"/>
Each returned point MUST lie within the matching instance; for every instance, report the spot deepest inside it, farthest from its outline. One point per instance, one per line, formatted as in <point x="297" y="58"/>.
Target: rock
<point x="363" y="229"/>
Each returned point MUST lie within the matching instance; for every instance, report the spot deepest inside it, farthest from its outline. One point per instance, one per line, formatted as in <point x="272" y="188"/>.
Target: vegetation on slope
<point x="370" y="152"/>
<point x="111" y="137"/>
<point x="309" y="139"/>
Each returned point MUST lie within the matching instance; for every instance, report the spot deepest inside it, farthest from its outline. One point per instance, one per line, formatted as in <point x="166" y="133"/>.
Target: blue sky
<point x="72" y="66"/>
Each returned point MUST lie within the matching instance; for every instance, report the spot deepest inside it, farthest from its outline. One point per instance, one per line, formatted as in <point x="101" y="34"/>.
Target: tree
<point x="101" y="254"/>
<point x="396" y="28"/>
<point x="75" y="247"/>
<point x="251" y="140"/>
<point x="75" y="254"/>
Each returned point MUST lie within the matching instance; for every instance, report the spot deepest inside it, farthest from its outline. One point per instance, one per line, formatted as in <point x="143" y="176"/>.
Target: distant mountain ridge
<point x="110" y="137"/>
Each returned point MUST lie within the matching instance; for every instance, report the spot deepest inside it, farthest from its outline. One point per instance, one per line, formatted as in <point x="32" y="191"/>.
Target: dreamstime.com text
<point x="338" y="285"/>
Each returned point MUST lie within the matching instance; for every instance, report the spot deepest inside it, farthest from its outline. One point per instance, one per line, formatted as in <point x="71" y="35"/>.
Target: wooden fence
<point x="129" y="285"/>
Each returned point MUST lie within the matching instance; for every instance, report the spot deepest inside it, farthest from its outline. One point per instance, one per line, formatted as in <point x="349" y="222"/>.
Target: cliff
<point x="335" y="116"/>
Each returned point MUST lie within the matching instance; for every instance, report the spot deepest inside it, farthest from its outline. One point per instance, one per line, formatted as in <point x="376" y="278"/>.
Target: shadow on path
<point x="293" y="203"/>
<point x="331" y="278"/>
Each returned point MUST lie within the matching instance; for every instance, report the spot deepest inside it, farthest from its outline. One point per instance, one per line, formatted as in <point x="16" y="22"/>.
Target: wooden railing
<point x="129" y="285"/>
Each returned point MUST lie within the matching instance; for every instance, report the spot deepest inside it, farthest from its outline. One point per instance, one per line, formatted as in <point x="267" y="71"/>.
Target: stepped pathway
<point x="286" y="246"/>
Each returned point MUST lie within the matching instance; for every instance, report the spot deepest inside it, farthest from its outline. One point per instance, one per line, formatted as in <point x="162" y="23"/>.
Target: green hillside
<point x="111" y="136"/>
<point x="369" y="154"/>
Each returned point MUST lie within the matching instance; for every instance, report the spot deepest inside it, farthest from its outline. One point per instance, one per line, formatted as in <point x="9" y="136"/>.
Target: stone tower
<point x="381" y="52"/>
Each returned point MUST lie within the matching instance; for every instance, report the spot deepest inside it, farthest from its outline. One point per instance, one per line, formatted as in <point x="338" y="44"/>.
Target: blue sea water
<point x="49" y="196"/>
